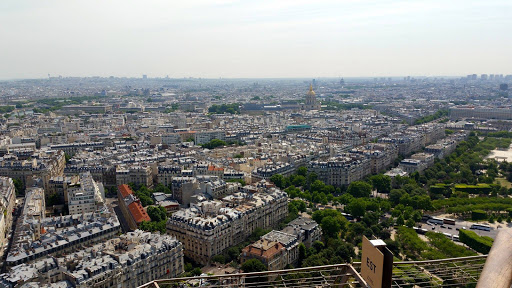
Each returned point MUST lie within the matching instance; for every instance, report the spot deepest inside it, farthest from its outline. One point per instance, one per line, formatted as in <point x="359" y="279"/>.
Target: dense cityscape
<point x="116" y="182"/>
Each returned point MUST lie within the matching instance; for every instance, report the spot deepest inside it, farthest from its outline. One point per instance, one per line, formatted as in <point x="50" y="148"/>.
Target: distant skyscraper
<point x="144" y="76"/>
<point x="342" y="81"/>
<point x="314" y="83"/>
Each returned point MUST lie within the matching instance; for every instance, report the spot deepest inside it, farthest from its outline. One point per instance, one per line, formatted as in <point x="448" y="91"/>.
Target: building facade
<point x="210" y="227"/>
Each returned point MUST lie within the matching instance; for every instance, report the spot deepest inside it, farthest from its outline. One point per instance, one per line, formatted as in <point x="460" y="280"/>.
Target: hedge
<point x="474" y="189"/>
<point x="441" y="189"/>
<point x="478" y="215"/>
<point x="477" y="243"/>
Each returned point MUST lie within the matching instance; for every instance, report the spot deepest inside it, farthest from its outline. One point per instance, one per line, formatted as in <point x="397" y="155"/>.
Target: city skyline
<point x="241" y="39"/>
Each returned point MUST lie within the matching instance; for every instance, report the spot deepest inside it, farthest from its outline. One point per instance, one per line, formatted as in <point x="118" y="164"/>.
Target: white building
<point x="85" y="197"/>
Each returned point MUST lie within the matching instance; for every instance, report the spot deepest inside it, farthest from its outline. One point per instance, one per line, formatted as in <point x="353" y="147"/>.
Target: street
<point x="452" y="229"/>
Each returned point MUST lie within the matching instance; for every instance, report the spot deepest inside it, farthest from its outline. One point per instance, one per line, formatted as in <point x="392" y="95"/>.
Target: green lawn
<point x="504" y="182"/>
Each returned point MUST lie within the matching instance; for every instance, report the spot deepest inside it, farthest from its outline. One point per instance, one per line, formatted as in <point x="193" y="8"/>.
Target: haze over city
<point x="263" y="39"/>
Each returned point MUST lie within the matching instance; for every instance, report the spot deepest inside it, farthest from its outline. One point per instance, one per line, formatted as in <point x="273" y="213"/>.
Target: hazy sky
<point x="260" y="38"/>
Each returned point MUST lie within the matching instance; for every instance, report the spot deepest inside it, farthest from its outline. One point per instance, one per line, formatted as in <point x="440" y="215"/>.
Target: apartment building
<point x="86" y="196"/>
<point x="210" y="227"/>
<point x="271" y="169"/>
<point x="7" y="201"/>
<point x="272" y="254"/>
<point x="342" y="170"/>
<point x="41" y="165"/>
<point x="129" y="260"/>
<point x="202" y="137"/>
<point x="130" y="206"/>
<point x="481" y="112"/>
<point x="412" y="165"/>
<point x="136" y="174"/>
<point x="381" y="155"/>
<point x="73" y="148"/>
<point x="183" y="188"/>
<point x="60" y="184"/>
<point x="37" y="236"/>
<point x="277" y="249"/>
<point x="166" y="173"/>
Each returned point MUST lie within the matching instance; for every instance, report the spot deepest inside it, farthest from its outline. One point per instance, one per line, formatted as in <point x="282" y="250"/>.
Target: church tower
<point x="311" y="103"/>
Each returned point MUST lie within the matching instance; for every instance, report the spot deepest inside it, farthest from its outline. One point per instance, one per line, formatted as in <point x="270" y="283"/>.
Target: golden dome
<point x="311" y="92"/>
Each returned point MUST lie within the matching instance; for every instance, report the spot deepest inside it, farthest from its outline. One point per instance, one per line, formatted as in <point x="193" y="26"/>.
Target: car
<point x="434" y="228"/>
<point x="442" y="226"/>
<point x="449" y="227"/>
<point x="457" y="229"/>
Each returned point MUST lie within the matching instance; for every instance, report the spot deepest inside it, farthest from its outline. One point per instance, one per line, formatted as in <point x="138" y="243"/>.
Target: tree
<point x="278" y="180"/>
<point x="317" y="186"/>
<point x="318" y="245"/>
<point x="302" y="253"/>
<point x="219" y="259"/>
<point x="18" y="185"/>
<point x="302" y="171"/>
<point x="196" y="271"/>
<point x="225" y="108"/>
<point x="381" y="182"/>
<point x="299" y="180"/>
<point x="330" y="227"/>
<point x="253" y="265"/>
<point x="214" y="143"/>
<point x="54" y="199"/>
<point x="157" y="213"/>
<point x="400" y="220"/>
<point x="357" y="207"/>
<point x="359" y="189"/>
<point x="233" y="253"/>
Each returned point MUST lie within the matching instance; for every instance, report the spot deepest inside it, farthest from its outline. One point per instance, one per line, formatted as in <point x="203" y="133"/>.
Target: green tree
<point x="253" y="265"/>
<point x="317" y="186"/>
<point x="359" y="189"/>
<point x="18" y="185"/>
<point x="400" y="220"/>
<point x="54" y="199"/>
<point x="278" y="180"/>
<point x="381" y="182"/>
<point x="299" y="181"/>
<point x="302" y="171"/>
<point x="157" y="213"/>
<point x="214" y="143"/>
<point x="357" y="207"/>
<point x="302" y="253"/>
<point x="330" y="227"/>
<point x="219" y="259"/>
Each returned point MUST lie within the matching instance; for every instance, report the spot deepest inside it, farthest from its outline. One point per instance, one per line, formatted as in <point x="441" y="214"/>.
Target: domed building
<point x="311" y="103"/>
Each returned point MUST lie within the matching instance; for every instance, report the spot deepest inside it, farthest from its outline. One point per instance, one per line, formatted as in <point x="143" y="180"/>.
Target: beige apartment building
<point x="210" y="227"/>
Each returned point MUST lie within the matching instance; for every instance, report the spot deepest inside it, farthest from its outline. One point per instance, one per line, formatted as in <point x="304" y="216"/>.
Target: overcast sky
<point x="260" y="38"/>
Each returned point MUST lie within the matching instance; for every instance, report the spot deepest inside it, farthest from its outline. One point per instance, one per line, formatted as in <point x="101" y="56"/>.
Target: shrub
<point x="475" y="242"/>
<point x="478" y="215"/>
